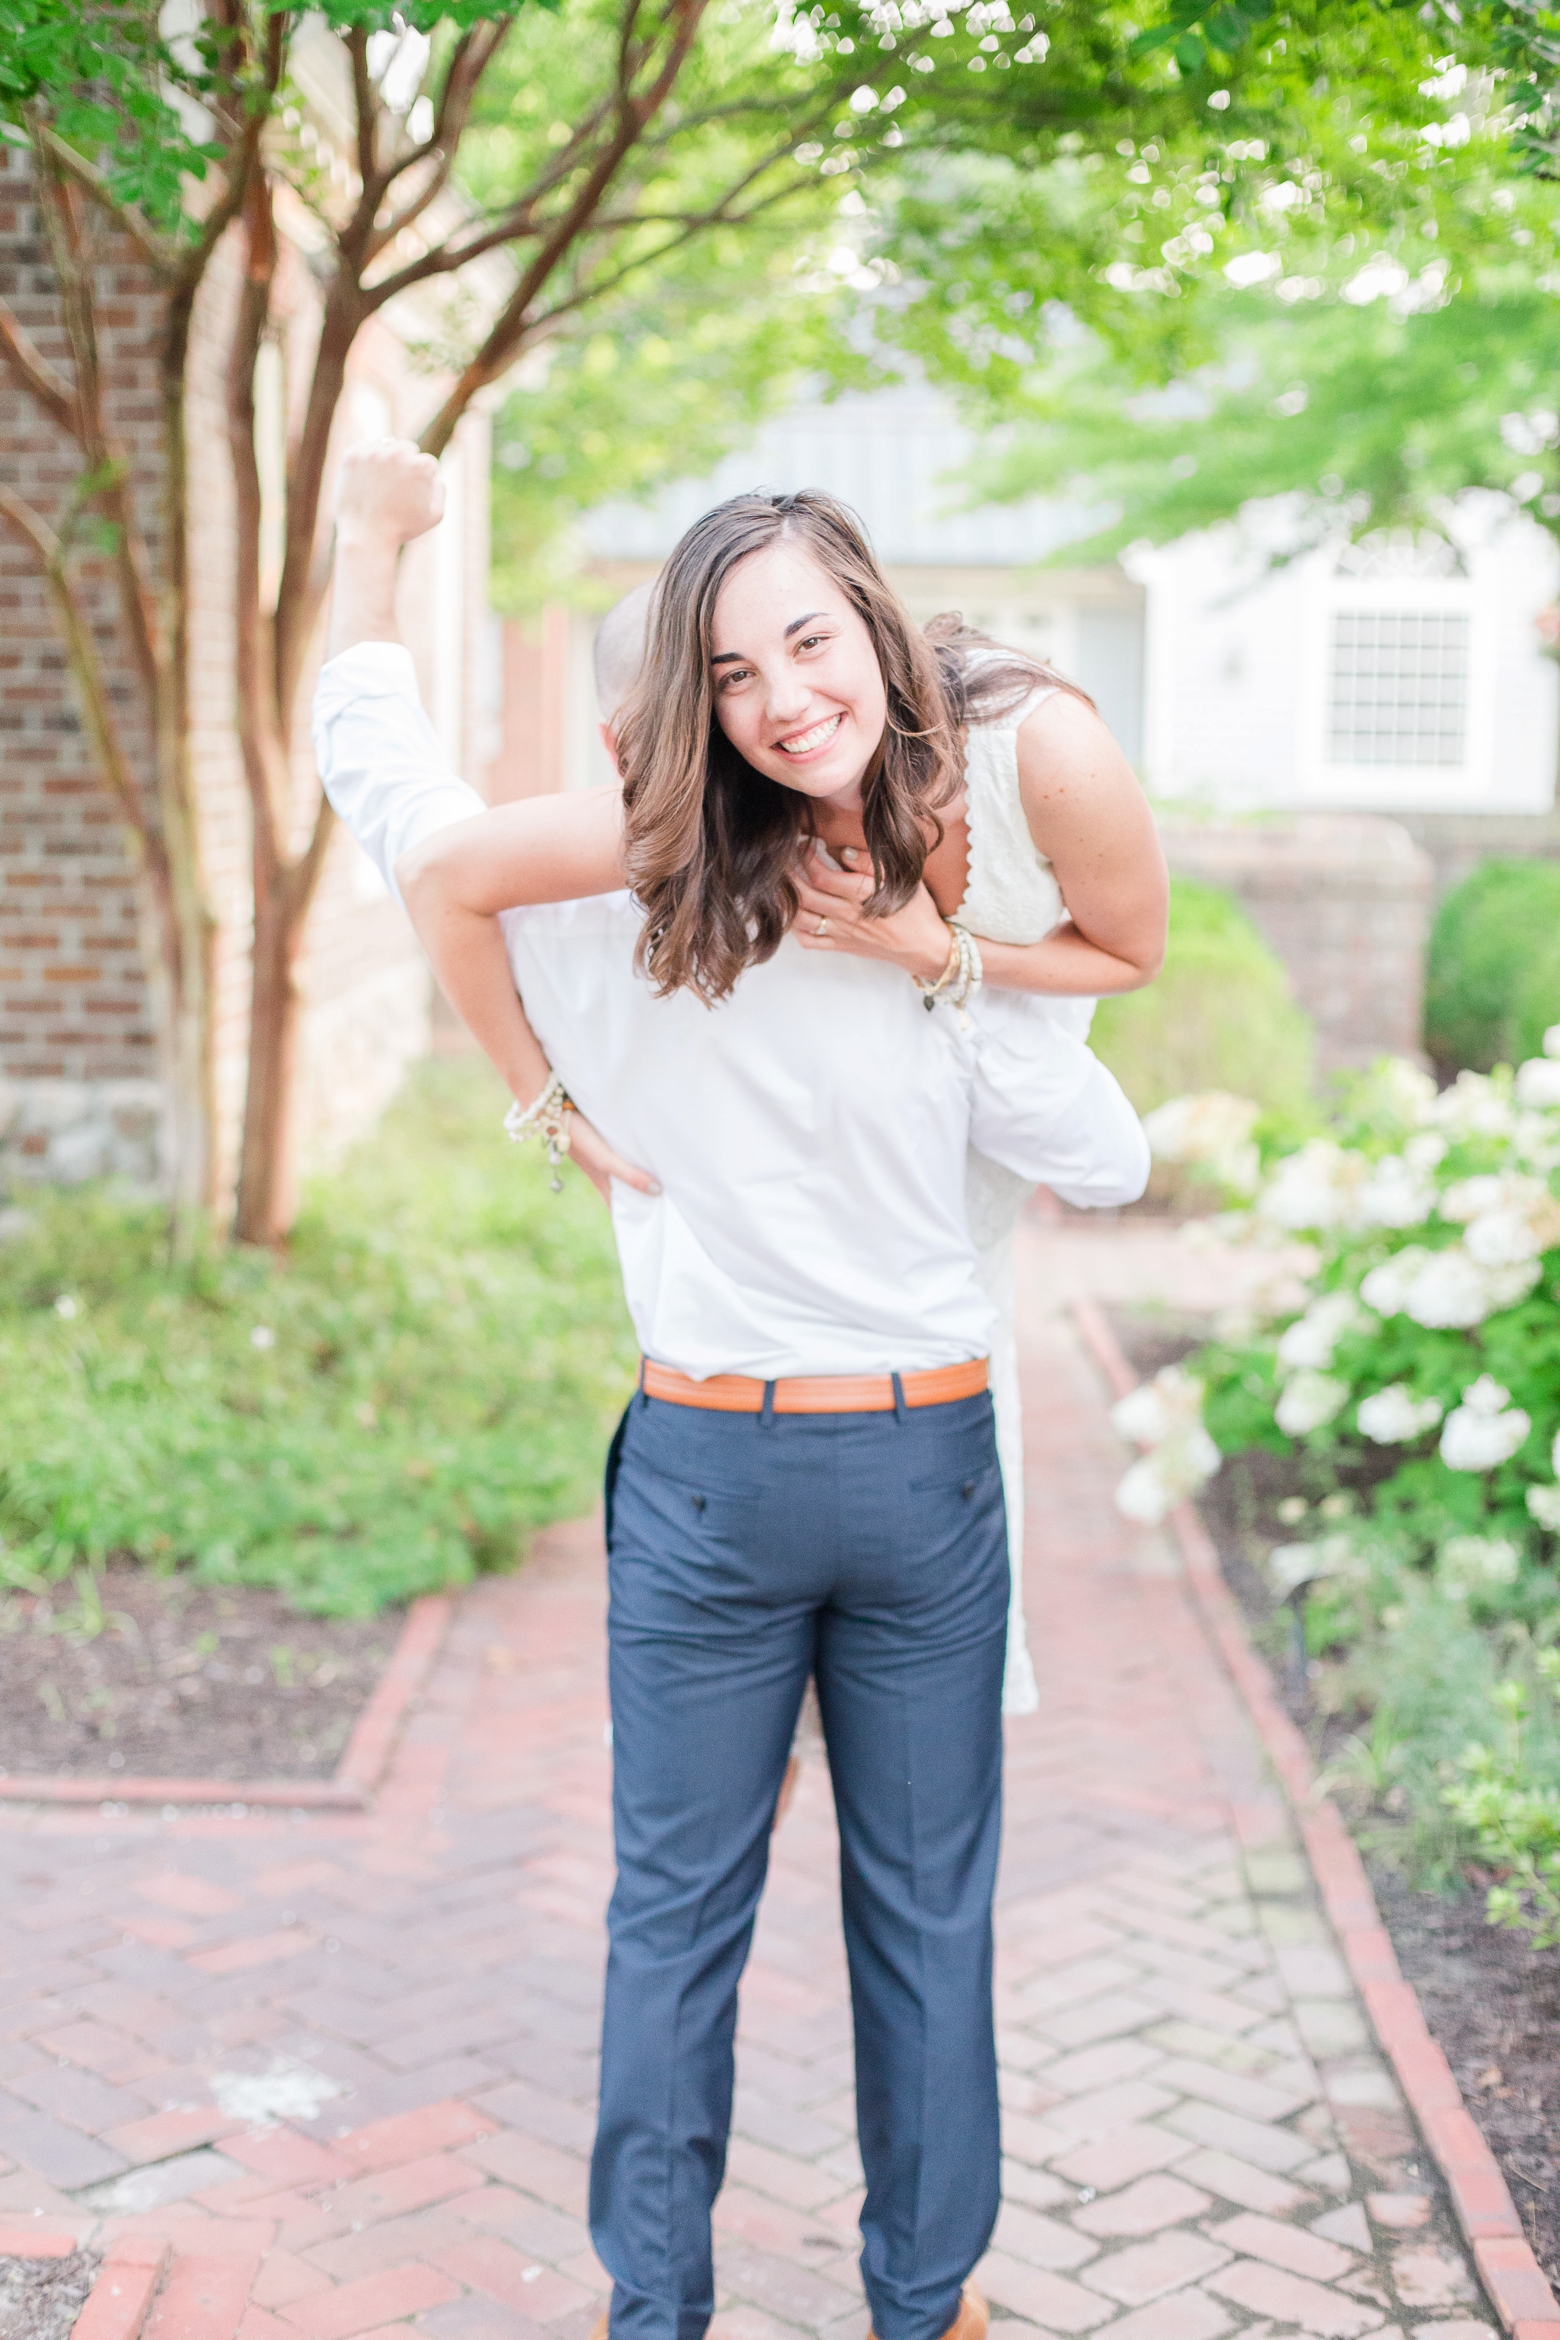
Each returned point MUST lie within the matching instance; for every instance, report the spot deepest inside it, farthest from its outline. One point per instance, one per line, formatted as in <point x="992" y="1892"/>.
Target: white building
<point x="1398" y="678"/>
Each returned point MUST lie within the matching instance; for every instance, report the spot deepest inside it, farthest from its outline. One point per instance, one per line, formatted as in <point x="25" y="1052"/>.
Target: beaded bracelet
<point x="546" y="1116"/>
<point x="960" y="979"/>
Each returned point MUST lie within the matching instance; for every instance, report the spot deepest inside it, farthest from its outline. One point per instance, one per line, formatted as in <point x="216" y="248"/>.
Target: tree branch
<point x="473" y="54"/>
<point x="48" y="386"/>
<point x="511" y="223"/>
<point x="106" y="459"/>
<point x="81" y="654"/>
<point x="365" y="105"/>
<point x="159" y="252"/>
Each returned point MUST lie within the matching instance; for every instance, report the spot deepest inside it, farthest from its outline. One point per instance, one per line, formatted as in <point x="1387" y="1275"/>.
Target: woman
<point x="863" y="786"/>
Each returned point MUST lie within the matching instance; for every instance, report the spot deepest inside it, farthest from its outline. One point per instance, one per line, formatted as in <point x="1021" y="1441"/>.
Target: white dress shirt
<point x="808" y="1134"/>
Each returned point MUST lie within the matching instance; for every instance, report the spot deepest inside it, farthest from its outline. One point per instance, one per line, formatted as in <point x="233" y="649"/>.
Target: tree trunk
<point x="268" y="1160"/>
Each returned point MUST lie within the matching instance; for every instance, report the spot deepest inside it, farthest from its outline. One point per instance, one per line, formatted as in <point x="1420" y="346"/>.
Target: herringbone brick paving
<point x="345" y="2065"/>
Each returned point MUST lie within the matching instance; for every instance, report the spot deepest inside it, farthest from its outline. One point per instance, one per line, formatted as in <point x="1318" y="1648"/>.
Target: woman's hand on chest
<point x="831" y="919"/>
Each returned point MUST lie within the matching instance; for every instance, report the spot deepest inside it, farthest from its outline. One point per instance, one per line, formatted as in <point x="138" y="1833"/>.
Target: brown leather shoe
<point x="971" y="2323"/>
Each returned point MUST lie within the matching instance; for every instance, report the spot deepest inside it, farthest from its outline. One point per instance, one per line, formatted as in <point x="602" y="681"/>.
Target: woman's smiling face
<point x="797" y="685"/>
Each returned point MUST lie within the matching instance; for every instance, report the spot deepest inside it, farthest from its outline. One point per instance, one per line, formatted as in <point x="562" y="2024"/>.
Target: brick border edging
<point x="1517" y="2285"/>
<point x="350" y="1788"/>
<point x="117" y="2306"/>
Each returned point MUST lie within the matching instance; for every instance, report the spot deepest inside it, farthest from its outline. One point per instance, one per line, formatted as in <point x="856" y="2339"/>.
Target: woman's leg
<point x="711" y="1627"/>
<point x="909" y="1671"/>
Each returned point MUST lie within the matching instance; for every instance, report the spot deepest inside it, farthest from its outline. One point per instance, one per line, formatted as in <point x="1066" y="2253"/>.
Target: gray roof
<point x="887" y="454"/>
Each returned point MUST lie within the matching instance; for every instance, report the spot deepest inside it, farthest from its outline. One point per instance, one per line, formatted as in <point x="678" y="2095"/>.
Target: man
<point x="805" y="1483"/>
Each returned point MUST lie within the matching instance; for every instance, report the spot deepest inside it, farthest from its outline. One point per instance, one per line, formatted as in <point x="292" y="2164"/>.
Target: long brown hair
<point x="711" y="847"/>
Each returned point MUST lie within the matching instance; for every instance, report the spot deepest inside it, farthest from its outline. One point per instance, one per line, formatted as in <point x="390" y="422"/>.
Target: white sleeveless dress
<point x="1010" y="896"/>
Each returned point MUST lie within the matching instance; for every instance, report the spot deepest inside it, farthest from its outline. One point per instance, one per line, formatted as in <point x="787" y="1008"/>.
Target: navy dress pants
<point x="745" y="1553"/>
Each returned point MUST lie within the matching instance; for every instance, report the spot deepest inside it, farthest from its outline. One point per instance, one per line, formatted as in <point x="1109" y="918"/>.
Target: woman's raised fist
<point x="388" y="489"/>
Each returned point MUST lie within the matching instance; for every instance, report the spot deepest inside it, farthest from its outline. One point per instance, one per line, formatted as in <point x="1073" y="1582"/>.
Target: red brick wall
<point x="75" y="1025"/>
<point x="73" y="1000"/>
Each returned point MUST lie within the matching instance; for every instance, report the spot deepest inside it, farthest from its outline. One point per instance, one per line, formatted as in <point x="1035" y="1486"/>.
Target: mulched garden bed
<point x="1491" y="2000"/>
<point x="40" y="2299"/>
<point x="160" y="1677"/>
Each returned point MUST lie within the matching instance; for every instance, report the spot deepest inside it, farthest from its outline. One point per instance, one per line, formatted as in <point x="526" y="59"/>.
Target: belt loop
<point x="640" y="1391"/>
<point x="901" y="1413"/>
<point x="766" y="1412"/>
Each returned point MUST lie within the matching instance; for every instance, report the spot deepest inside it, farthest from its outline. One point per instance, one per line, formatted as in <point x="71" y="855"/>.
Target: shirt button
<point x="697" y="1501"/>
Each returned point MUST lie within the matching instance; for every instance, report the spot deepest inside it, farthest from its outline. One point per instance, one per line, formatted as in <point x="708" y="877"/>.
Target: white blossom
<point x="1486" y="1429"/>
<point x="262" y="1337"/>
<point x="1538" y="1081"/>
<point x="1393" y="1416"/>
<point x="1291" y="1565"/>
<point x="1160" y="1408"/>
<point x="1312" y="1338"/>
<point x="1316" y="1187"/>
<point x="67" y="1305"/>
<point x="1400" y="1091"/>
<point x="1213" y="1130"/>
<point x="1445" y="1289"/>
<point x="1552" y="1041"/>
<point x="1544" y="1504"/>
<point x="1469" y="1197"/>
<point x="1427" y="1149"/>
<point x="1396" y="1193"/>
<point x="1307" y="1401"/>
<point x="1474" y="1106"/>
<point x="1167" y="1475"/>
<point x="1470" y="1564"/>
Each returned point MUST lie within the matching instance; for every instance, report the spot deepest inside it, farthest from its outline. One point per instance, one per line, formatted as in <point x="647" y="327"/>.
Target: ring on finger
<point x="822" y="926"/>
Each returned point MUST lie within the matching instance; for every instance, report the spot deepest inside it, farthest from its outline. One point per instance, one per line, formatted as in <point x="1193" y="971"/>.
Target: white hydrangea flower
<point x="1552" y="1041"/>
<point x="1508" y="1219"/>
<point x="1291" y="1565"/>
<point x="1470" y="1564"/>
<point x="1307" y="1401"/>
<point x="1426" y="1150"/>
<point x="1450" y="1290"/>
<point x="1469" y="1197"/>
<point x="1158" y="1409"/>
<point x="1167" y="1475"/>
<point x="1213" y="1130"/>
<point x="1395" y="1194"/>
<point x="1400" y="1090"/>
<point x="1474" y="1106"/>
<point x="1312" y="1338"/>
<point x="1507" y="1285"/>
<point x="1538" y="1082"/>
<point x="1445" y="1289"/>
<point x="1393" y="1416"/>
<point x="1316" y="1187"/>
<point x="1544" y="1504"/>
<point x="1485" y="1430"/>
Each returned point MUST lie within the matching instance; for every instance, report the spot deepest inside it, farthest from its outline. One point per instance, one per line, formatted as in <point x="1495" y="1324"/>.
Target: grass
<point x="428" y="1375"/>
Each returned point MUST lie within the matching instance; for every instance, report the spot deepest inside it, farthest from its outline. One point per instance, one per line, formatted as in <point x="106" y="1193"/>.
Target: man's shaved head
<point x="619" y="650"/>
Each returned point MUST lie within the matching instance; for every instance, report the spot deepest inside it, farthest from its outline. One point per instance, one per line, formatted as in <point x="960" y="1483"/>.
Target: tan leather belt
<point x="821" y="1393"/>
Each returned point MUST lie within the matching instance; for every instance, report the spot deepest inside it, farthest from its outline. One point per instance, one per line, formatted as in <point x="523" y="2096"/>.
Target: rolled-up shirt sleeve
<point x="379" y="757"/>
<point x="1046" y="1108"/>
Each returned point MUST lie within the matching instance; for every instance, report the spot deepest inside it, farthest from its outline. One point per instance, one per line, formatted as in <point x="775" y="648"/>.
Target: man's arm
<point x="381" y="765"/>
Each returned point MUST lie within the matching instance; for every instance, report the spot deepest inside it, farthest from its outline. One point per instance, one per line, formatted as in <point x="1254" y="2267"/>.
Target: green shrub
<point x="428" y="1375"/>
<point x="1220" y="1015"/>
<point x="1493" y="983"/>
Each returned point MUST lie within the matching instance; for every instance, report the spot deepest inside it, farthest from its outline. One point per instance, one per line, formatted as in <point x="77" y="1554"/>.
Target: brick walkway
<point x="345" y="2065"/>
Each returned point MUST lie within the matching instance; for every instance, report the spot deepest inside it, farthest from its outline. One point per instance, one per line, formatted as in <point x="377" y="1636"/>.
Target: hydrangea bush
<point x="1430" y="1339"/>
<point x="1423" y="1370"/>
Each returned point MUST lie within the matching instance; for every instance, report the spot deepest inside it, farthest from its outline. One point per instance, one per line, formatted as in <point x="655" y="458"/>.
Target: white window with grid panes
<point x="1397" y="708"/>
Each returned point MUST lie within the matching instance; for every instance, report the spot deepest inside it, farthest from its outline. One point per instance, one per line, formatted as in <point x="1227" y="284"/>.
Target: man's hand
<point x="387" y="492"/>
